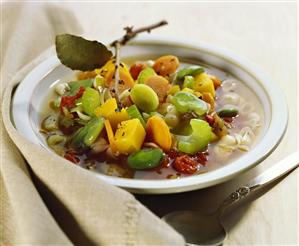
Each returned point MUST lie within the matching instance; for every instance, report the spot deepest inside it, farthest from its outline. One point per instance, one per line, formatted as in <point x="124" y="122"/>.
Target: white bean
<point x="62" y="88"/>
<point x="229" y="84"/>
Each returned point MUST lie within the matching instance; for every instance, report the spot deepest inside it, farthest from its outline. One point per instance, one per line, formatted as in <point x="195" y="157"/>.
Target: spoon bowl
<point x="200" y="229"/>
<point x="197" y="228"/>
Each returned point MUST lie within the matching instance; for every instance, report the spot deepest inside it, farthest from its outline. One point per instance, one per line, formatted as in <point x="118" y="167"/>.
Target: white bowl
<point x="29" y="98"/>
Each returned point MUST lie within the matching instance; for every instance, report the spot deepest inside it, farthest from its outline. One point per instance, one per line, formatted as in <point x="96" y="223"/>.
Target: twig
<point x="117" y="75"/>
<point x="130" y="33"/>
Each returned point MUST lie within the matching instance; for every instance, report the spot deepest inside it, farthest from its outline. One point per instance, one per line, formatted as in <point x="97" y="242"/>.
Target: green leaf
<point x="80" y="54"/>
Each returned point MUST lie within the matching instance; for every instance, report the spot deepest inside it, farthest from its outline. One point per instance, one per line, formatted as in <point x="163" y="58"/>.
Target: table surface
<point x="266" y="34"/>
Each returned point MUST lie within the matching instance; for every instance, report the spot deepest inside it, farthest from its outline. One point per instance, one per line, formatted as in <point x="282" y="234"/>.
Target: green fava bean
<point x="228" y="112"/>
<point x="144" y="97"/>
<point x="192" y="71"/>
<point x="85" y="136"/>
<point x="186" y="102"/>
<point x="145" y="74"/>
<point x="145" y="159"/>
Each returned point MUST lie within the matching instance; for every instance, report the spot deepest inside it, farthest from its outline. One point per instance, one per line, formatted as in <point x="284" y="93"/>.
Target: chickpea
<point x="166" y="65"/>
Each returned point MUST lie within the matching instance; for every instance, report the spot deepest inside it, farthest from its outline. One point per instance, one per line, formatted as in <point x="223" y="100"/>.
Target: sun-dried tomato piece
<point x="210" y="119"/>
<point x="173" y="153"/>
<point x="201" y="158"/>
<point x="72" y="157"/>
<point x="136" y="69"/>
<point x="185" y="164"/>
<point x="69" y="101"/>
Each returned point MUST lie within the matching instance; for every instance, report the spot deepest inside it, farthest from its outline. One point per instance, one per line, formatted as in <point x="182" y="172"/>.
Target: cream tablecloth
<point x="265" y="33"/>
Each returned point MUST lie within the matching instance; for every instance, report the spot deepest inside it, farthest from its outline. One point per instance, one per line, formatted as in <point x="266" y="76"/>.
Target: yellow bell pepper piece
<point x="107" y="108"/>
<point x="207" y="97"/>
<point x="129" y="136"/>
<point x="174" y="89"/>
<point x="109" y="111"/>
<point x="110" y="136"/>
<point x="203" y="83"/>
<point x="108" y="71"/>
<point x="188" y="90"/>
<point x="158" y="132"/>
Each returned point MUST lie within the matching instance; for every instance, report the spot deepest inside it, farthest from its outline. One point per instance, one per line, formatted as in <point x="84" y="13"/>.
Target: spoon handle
<point x="273" y="173"/>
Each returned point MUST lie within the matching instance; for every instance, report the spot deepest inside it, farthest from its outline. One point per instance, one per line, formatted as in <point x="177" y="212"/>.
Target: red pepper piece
<point x="69" y="101"/>
<point x="136" y="69"/>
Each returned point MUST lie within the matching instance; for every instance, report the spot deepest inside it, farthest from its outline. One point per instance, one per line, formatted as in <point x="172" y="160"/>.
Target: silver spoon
<point x="202" y="229"/>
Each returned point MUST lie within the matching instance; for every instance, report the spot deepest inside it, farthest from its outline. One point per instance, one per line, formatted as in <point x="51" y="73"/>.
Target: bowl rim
<point x="272" y="137"/>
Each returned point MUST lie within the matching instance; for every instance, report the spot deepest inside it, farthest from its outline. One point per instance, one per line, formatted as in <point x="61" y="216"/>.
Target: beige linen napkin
<point x="65" y="204"/>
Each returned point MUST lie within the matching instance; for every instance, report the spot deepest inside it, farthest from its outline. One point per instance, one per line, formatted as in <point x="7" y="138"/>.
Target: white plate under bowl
<point x="29" y="97"/>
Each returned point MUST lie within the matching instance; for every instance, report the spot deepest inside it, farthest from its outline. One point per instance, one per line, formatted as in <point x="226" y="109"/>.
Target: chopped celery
<point x="186" y="102"/>
<point x="86" y="135"/>
<point x="198" y="139"/>
<point x="90" y="101"/>
<point x="133" y="112"/>
<point x="75" y="85"/>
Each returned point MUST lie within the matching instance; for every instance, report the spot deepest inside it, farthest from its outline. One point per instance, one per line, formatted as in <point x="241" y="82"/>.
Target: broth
<point x="232" y="92"/>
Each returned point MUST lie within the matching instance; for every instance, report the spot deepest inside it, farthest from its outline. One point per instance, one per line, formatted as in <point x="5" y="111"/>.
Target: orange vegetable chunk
<point x="158" y="132"/>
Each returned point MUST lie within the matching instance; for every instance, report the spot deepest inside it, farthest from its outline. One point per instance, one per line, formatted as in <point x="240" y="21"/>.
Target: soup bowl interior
<point x="29" y="103"/>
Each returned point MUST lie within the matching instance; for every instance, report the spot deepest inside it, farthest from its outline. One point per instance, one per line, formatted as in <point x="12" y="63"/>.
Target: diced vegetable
<point x="86" y="135"/>
<point x="90" y="101"/>
<point x="50" y="123"/>
<point x="135" y="70"/>
<point x="75" y="85"/>
<point x="62" y="88"/>
<point x="219" y="127"/>
<point x="158" y="132"/>
<point x="228" y="112"/>
<point x="186" y="102"/>
<point x="69" y="101"/>
<point x="198" y="140"/>
<point x="174" y="89"/>
<point x="99" y="81"/>
<point x="166" y="65"/>
<point x="129" y="136"/>
<point x="144" y="97"/>
<point x="216" y="81"/>
<point x="107" y="108"/>
<point x="189" y="82"/>
<point x="185" y="164"/>
<point x="117" y="117"/>
<point x="94" y="131"/>
<point x="108" y="71"/>
<point x="109" y="111"/>
<point x="86" y="75"/>
<point x="207" y="97"/>
<point x="203" y="83"/>
<point x="192" y="71"/>
<point x="160" y="85"/>
<point x="145" y="159"/>
<point x="110" y="136"/>
<point x="133" y="112"/>
<point x="145" y="74"/>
